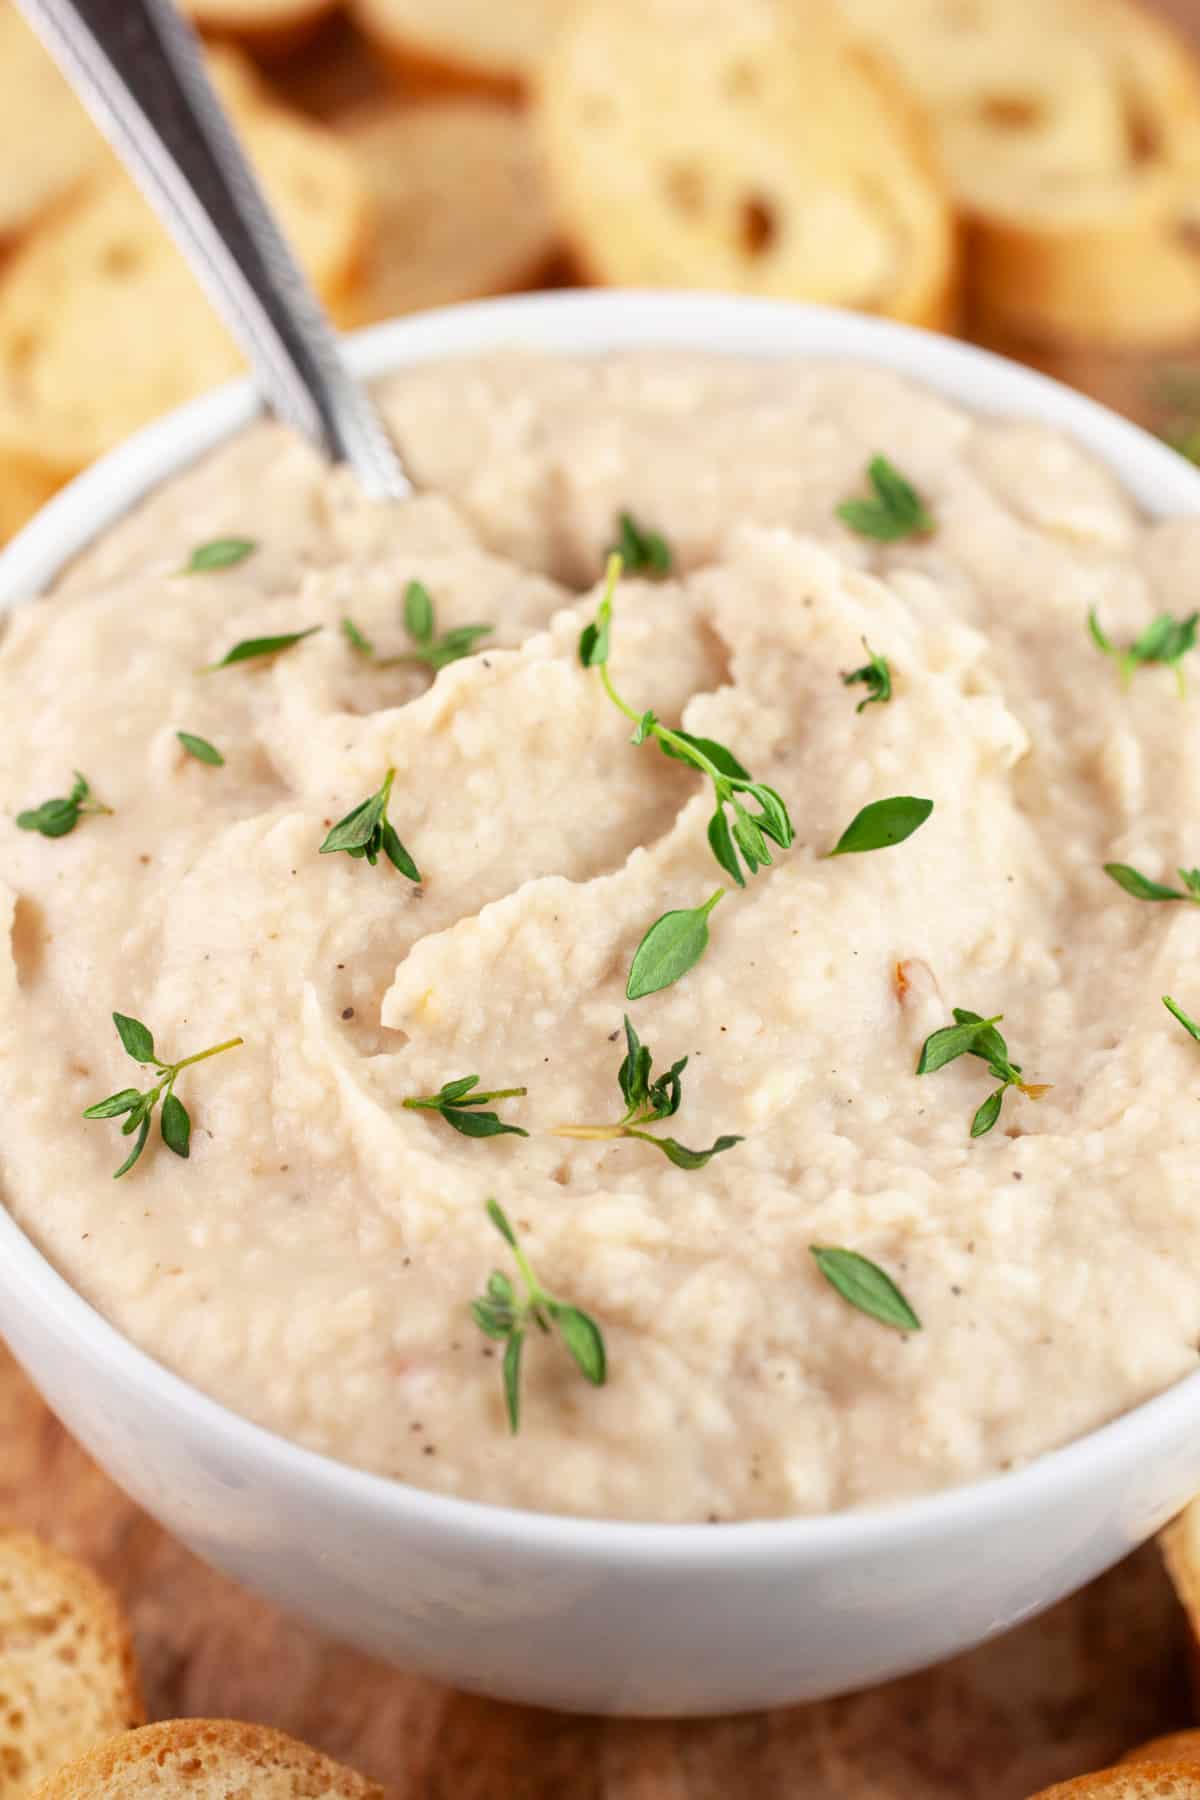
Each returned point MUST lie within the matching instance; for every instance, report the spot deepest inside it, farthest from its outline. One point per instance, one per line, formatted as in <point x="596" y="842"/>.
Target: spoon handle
<point x="136" y="66"/>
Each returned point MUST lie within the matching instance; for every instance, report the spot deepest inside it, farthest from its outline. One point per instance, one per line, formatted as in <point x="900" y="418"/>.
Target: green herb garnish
<point x="876" y="677"/>
<point x="249" y="648"/>
<point x="420" y="623"/>
<point x="646" y="1102"/>
<point x="971" y="1035"/>
<point x="222" y="553"/>
<point x="746" y="837"/>
<point x="1165" y="640"/>
<point x="1189" y="1024"/>
<point x="432" y="652"/>
<point x="1142" y="888"/>
<point x="897" y="510"/>
<point x="673" y="945"/>
<point x="357" y="640"/>
<point x="201" y="749"/>
<point x="365" y="831"/>
<point x="641" y="552"/>
<point x="174" y="1123"/>
<point x="882" y="824"/>
<point x="55" y="818"/>
<point x="454" y="1099"/>
<point x="864" y="1284"/>
<point x="504" y="1318"/>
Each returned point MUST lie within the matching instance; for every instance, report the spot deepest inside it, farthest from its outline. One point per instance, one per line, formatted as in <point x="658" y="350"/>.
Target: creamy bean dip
<point x="313" y="1262"/>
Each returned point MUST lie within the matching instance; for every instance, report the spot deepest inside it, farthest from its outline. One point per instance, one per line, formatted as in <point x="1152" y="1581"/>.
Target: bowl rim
<point x="591" y="322"/>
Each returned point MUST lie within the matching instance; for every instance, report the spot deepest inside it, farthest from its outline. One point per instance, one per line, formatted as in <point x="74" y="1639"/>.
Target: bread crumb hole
<point x="1012" y="112"/>
<point x="758" y="226"/>
<point x="120" y="261"/>
<point x="685" y="188"/>
<point x="597" y="109"/>
<point x="741" y="81"/>
<point x="1188" y="232"/>
<point x="1142" y="136"/>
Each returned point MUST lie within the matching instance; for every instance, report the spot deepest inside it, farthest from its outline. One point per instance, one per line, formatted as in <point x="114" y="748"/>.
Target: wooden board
<point x="1066" y="1693"/>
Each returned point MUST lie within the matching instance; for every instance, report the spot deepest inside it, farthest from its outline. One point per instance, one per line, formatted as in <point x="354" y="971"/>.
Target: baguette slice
<point x="1070" y="130"/>
<point x="490" y="44"/>
<point x="67" y="1674"/>
<point x="102" y="324"/>
<point x="1175" y="1747"/>
<point x="1131" y="1781"/>
<point x="747" y="145"/>
<point x="48" y="145"/>
<point x="270" y="27"/>
<point x="206" y="1759"/>
<point x="459" y="203"/>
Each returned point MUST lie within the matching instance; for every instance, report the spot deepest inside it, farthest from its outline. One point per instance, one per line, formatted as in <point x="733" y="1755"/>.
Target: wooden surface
<point x="1061" y="1695"/>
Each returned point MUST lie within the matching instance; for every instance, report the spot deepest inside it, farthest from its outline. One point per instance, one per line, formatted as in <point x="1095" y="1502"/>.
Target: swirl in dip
<point x="313" y="1262"/>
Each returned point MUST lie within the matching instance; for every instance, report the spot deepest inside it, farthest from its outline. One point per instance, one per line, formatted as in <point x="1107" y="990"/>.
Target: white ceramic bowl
<point x="579" y="1614"/>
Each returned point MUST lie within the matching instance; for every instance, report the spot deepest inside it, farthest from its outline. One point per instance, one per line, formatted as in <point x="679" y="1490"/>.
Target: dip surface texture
<point x="312" y="1264"/>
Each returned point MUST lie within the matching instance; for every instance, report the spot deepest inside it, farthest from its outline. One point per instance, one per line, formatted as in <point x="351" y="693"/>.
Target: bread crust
<point x="89" y="1686"/>
<point x="180" y="1753"/>
<point x="1132" y="1781"/>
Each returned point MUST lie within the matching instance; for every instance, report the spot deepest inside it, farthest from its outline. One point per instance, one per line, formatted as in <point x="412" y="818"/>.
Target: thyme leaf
<point x="1140" y="886"/>
<point x="865" y="1285"/>
<point x="875" y="675"/>
<point x="642" y="552"/>
<point x="882" y="824"/>
<point x="201" y="749"/>
<point x="673" y="945"/>
<point x="507" y="1318"/>
<point x="895" y="511"/>
<point x="56" y="818"/>
<point x="1166" y="640"/>
<point x="251" y="648"/>
<point x="220" y="553"/>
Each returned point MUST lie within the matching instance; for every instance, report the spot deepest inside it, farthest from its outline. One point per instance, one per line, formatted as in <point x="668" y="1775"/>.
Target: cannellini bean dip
<point x="313" y="1262"/>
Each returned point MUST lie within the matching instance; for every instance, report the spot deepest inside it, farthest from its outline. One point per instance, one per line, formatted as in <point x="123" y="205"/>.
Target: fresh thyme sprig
<point x="642" y="552"/>
<point x="365" y="831"/>
<point x="454" y="1099"/>
<point x="174" y="1123"/>
<point x="865" y="1285"/>
<point x="746" y="838"/>
<point x="1142" y="888"/>
<point x="882" y="824"/>
<point x="221" y="553"/>
<point x="876" y="677"/>
<point x="646" y="1102"/>
<point x="971" y="1035"/>
<point x="896" y="511"/>
<point x="55" y="818"/>
<point x="420" y="622"/>
<point x="1166" y="640"/>
<point x="673" y="945"/>
<point x="250" y="649"/>
<point x="506" y="1318"/>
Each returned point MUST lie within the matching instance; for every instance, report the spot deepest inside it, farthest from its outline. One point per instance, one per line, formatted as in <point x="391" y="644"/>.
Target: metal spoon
<point x="136" y="65"/>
